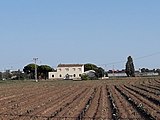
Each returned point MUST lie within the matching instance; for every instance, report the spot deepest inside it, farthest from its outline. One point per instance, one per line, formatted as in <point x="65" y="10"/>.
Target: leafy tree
<point x="7" y="75"/>
<point x="43" y="71"/>
<point x="130" y="71"/>
<point x="18" y="75"/>
<point x="106" y="74"/>
<point x="1" y="75"/>
<point x="143" y="70"/>
<point x="85" y="77"/>
<point x="90" y="67"/>
<point x="99" y="71"/>
<point x="158" y="71"/>
<point x="29" y="70"/>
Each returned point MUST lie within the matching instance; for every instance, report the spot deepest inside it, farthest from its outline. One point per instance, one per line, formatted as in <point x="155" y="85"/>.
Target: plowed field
<point x="135" y="99"/>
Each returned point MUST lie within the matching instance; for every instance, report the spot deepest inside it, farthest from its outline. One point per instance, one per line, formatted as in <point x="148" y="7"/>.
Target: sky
<point x="102" y="32"/>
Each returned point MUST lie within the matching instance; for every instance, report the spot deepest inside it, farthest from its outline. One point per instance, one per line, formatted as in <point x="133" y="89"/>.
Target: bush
<point x="84" y="77"/>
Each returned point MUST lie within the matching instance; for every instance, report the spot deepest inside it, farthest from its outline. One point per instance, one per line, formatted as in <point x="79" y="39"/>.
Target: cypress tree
<point x="130" y="71"/>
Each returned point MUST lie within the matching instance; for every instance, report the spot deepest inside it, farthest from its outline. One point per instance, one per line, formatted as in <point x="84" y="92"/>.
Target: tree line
<point x="27" y="73"/>
<point x="42" y="71"/>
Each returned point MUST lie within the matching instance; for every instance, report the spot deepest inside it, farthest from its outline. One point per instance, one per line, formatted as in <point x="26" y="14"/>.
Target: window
<point x="74" y="75"/>
<point x="53" y="76"/>
<point x="60" y="69"/>
<point x="80" y="75"/>
<point x="60" y="75"/>
<point x="74" y="69"/>
<point x="79" y="69"/>
<point x="67" y="69"/>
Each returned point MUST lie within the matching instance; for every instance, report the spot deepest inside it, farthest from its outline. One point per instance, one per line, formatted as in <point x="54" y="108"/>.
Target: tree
<point x="158" y="71"/>
<point x="1" y="75"/>
<point x="90" y="67"/>
<point x="29" y="70"/>
<point x="130" y="71"/>
<point x="85" y="77"/>
<point x="7" y="75"/>
<point x="43" y="71"/>
<point x="99" y="71"/>
<point x="106" y="74"/>
<point x="17" y="75"/>
<point x="143" y="70"/>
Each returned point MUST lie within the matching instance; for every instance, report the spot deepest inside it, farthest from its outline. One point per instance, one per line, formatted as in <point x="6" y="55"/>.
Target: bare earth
<point x="128" y="98"/>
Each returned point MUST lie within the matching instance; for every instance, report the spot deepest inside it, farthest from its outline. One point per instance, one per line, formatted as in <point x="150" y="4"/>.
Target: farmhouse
<point x="67" y="71"/>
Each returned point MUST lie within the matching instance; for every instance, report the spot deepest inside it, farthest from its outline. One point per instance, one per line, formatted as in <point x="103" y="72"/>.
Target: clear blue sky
<point x="79" y="31"/>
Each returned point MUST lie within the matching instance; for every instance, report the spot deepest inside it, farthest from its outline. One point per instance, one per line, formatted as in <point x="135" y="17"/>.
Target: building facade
<point x="67" y="71"/>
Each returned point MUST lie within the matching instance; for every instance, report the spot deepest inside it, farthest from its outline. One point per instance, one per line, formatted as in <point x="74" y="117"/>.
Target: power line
<point x="146" y="56"/>
<point x="138" y="58"/>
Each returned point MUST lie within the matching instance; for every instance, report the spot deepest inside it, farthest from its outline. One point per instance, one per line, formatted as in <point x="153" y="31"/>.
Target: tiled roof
<point x="70" y="65"/>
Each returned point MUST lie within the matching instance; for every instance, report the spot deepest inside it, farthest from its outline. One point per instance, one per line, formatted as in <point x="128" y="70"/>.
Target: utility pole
<point x="113" y="71"/>
<point x="35" y="61"/>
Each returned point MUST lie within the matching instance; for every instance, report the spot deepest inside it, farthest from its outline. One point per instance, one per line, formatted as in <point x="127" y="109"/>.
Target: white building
<point x="67" y="71"/>
<point x="117" y="75"/>
<point x="90" y="73"/>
